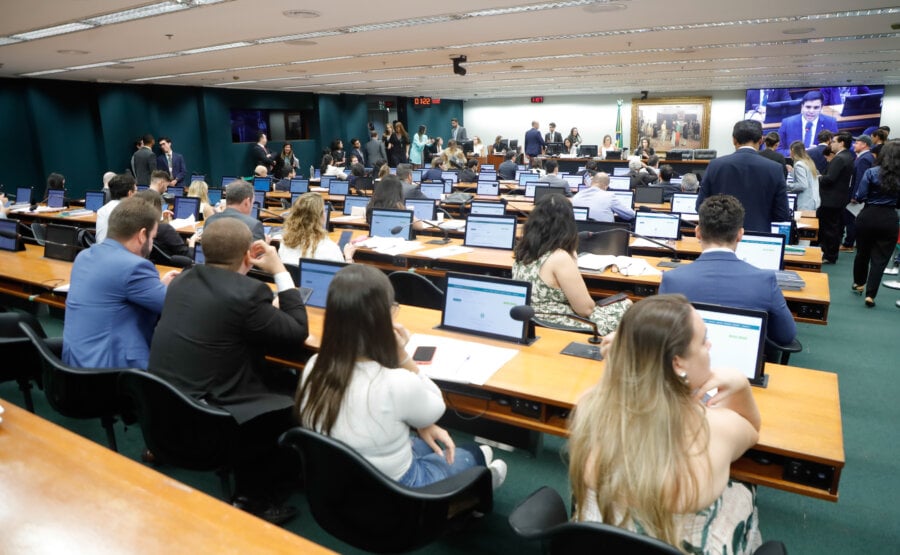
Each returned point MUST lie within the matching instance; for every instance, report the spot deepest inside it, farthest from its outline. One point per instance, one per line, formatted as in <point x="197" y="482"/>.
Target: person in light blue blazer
<point x="116" y="295"/>
<point x="718" y="276"/>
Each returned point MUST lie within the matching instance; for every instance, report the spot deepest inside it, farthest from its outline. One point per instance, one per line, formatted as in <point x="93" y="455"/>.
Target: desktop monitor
<point x="555" y="149"/>
<point x="339" y="187"/>
<point x="603" y="238"/>
<point x="262" y="183"/>
<point x="254" y="211"/>
<point x="353" y="201"/>
<point x="423" y="209"/>
<point x="317" y="174"/>
<point x="186" y="207"/>
<point x="487" y="175"/>
<point x="782" y="228"/>
<point x="215" y="196"/>
<point x="94" y="200"/>
<point x="625" y="197"/>
<point x="480" y="305"/>
<point x="384" y="221"/>
<point x="417" y="175"/>
<point x="684" y="203"/>
<point x="488" y="168"/>
<point x="792" y="201"/>
<point x="488" y="188"/>
<point x="317" y="275"/>
<point x="763" y="250"/>
<point x="530" y="188"/>
<point x="259" y="197"/>
<point x="588" y="151"/>
<point x="142" y="187"/>
<point x="648" y="195"/>
<point x="738" y="338"/>
<point x="364" y="183"/>
<point x="574" y="181"/>
<point x="513" y="144"/>
<point x="452" y="177"/>
<point x="528" y="177"/>
<point x="657" y="225"/>
<point x="613" y="155"/>
<point x="486" y="208"/>
<point x="325" y="181"/>
<point x="56" y="198"/>
<point x="619" y="183"/>
<point x="295" y="196"/>
<point x="23" y="195"/>
<point x="432" y="190"/>
<point x="582" y="213"/>
<point x="197" y="177"/>
<point x="467" y="146"/>
<point x="620" y="170"/>
<point x="299" y="185"/>
<point x="10" y="240"/>
<point x="494" y="232"/>
<point x="540" y="191"/>
<point x="175" y="191"/>
<point x="61" y="242"/>
<point x="226" y="179"/>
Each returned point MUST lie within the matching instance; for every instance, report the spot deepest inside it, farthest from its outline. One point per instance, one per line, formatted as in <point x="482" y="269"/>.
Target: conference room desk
<point x="63" y="493"/>
<point x="808" y="305"/>
<point x="62" y="217"/>
<point x="689" y="248"/>
<point x="801" y="414"/>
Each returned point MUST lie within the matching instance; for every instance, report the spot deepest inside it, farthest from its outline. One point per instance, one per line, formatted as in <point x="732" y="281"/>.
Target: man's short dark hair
<point x="236" y="192"/>
<point x="510" y="154"/>
<point x="147" y="139"/>
<point x="845" y="138"/>
<point x="824" y="136"/>
<point x="120" y="186"/>
<point x="747" y="131"/>
<point x="353" y="140"/>
<point x="550" y="165"/>
<point x="56" y="181"/>
<point x="813" y="95"/>
<point x="259" y="135"/>
<point x="129" y="217"/>
<point x="472" y="163"/>
<point x="161" y="175"/>
<point x="881" y="134"/>
<point x="653" y="160"/>
<point x="721" y="218"/>
<point x="666" y="172"/>
<point x="591" y="166"/>
<point x="225" y="241"/>
<point x="886" y="129"/>
<point x="772" y="138"/>
<point x="454" y="119"/>
<point x="164" y="138"/>
<point x="403" y="171"/>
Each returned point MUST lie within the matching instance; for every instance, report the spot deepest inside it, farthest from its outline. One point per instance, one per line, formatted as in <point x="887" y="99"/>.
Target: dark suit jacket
<point x="375" y="151"/>
<point x="834" y="184"/>
<point x="179" y="170"/>
<point x="863" y="162"/>
<point x="792" y="130"/>
<point x="144" y="163"/>
<point x="757" y="182"/>
<point x="776" y="157"/>
<point x="261" y="158"/>
<point x="817" y="153"/>
<point x="720" y="278"/>
<point x="216" y="329"/>
<point x="534" y="142"/>
<point x="359" y="156"/>
<point x="255" y="226"/>
<point x="555" y="137"/>
<point x="432" y="174"/>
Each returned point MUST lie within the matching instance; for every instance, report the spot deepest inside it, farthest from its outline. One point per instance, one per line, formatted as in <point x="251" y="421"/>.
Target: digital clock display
<point x="422" y="101"/>
<point x="537" y="99"/>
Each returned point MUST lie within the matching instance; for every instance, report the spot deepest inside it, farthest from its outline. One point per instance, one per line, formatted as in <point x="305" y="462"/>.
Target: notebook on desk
<point x="738" y="338"/>
<point x="480" y="305"/>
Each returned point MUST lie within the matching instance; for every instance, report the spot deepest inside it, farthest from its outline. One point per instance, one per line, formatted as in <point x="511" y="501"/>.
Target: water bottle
<point x="312" y="172"/>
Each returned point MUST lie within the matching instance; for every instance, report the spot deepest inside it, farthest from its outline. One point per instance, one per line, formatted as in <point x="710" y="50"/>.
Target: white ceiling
<point x="591" y="46"/>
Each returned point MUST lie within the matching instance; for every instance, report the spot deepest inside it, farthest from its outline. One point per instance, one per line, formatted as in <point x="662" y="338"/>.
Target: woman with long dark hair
<point x="398" y="146"/>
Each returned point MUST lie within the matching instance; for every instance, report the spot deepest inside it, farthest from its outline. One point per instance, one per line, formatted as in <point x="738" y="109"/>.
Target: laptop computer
<point x="487" y="175"/>
<point x="175" y="191"/>
<point x="94" y="200"/>
<point x="766" y="251"/>
<point x="316" y="275"/>
<point x="351" y="201"/>
<point x="648" y="195"/>
<point x="299" y="185"/>
<point x="494" y="232"/>
<point x="23" y="198"/>
<point x="541" y="190"/>
<point x="488" y="167"/>
<point x="487" y="208"/>
<point x="782" y="228"/>
<point x="432" y="190"/>
<point x="186" y="207"/>
<point x="602" y="238"/>
<point x="480" y="305"/>
<point x="339" y="187"/>
<point x="738" y="337"/>
<point x="385" y="220"/>
<point x="262" y="184"/>
<point x="620" y="183"/>
<point x="56" y="198"/>
<point x="423" y="209"/>
<point x="582" y="213"/>
<point x="625" y="197"/>
<point x="656" y="225"/>
<point x="488" y="188"/>
<point x="792" y="201"/>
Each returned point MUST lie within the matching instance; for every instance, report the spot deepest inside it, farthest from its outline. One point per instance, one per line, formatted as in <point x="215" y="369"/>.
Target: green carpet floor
<point x="861" y="345"/>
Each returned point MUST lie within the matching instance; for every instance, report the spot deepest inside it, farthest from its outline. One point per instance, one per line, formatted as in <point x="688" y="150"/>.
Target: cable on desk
<point x="463" y="417"/>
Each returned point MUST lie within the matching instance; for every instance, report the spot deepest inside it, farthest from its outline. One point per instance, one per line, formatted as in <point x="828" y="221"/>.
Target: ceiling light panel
<point x="137" y="13"/>
<point x="52" y="31"/>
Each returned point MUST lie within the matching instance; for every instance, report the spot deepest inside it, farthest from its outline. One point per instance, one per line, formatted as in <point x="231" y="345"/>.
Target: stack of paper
<point x="460" y="361"/>
<point x="789" y="281"/>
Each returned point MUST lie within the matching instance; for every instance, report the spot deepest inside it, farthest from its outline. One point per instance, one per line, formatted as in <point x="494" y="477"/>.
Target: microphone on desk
<point x="524" y="313"/>
<point x="446" y="239"/>
<point x="673" y="260"/>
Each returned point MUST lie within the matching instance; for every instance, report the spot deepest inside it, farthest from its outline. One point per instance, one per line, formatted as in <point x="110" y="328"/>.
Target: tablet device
<point x="386" y="221"/>
<point x="493" y="232"/>
<point x="480" y="305"/>
<point x="186" y="207"/>
<point x="94" y="200"/>
<point x="738" y="338"/>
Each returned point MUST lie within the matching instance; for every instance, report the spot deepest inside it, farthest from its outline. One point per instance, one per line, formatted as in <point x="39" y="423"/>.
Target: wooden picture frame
<point x="671" y="123"/>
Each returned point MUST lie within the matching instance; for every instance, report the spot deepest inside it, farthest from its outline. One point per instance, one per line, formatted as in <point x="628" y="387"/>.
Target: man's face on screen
<point x="811" y="109"/>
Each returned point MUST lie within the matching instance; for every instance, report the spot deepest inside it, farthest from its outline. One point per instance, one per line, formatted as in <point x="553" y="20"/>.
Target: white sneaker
<point x="498" y="473"/>
<point x="891" y="271"/>
<point x="488" y="454"/>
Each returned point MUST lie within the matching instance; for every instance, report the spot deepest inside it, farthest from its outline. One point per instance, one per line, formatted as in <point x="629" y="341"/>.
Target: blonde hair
<point x="199" y="189"/>
<point x="798" y="152"/>
<point x="634" y="434"/>
<point x="303" y="227"/>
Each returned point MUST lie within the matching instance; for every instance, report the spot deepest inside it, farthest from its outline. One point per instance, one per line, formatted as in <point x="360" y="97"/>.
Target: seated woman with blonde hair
<point x="304" y="234"/>
<point x="200" y="190"/>
<point x="652" y="443"/>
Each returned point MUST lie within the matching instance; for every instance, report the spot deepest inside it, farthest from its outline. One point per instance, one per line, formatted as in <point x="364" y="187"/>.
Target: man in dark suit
<point x="375" y="151"/>
<point x="534" y="142"/>
<point x="507" y="169"/>
<point x="217" y="327"/>
<point x="115" y="294"/>
<point x="701" y="281"/>
<point x="817" y="153"/>
<point x="806" y="125"/>
<point x="356" y="150"/>
<point x="864" y="160"/>
<point x="261" y="155"/>
<point x="457" y="132"/>
<point x="553" y="136"/>
<point x="757" y="182"/>
<point x="834" y="190"/>
<point x="172" y="162"/>
<point x="239" y="205"/>
<point x="143" y="163"/>
<point x="666" y="173"/>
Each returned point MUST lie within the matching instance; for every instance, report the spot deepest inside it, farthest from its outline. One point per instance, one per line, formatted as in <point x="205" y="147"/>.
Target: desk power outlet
<point x="531" y="409"/>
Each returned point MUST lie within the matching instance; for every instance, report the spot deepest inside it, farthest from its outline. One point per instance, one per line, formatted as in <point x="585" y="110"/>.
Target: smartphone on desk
<point x="423" y="355"/>
<point x="345" y="238"/>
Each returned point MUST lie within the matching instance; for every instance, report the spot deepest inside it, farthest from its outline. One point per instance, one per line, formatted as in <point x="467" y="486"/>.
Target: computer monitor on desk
<point x="299" y="185"/>
<point x="339" y="187"/>
<point x="316" y="275"/>
<point x="738" y="339"/>
<point x="588" y="151"/>
<point x="432" y="190"/>
<point x="262" y="183"/>
<point x="613" y="155"/>
<point x="527" y="177"/>
<point x="659" y="226"/>
<point x="620" y="183"/>
<point x="423" y="209"/>
<point x="94" y="200"/>
<point x="603" y="238"/>
<point x="215" y="196"/>
<point x="488" y="188"/>
<point x="555" y="149"/>
<point x="480" y="305"/>
<point x="684" y="203"/>
<point x="385" y="220"/>
<point x="763" y="250"/>
<point x="185" y="207"/>
<point x="487" y="208"/>
<point x="351" y="202"/>
<point x="56" y="198"/>
<point x="625" y="197"/>
<point x="494" y="232"/>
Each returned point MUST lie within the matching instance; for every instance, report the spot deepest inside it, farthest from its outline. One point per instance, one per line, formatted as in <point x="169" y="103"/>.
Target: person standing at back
<point x="143" y="163"/>
<point x="834" y="189"/>
<point x="756" y="182"/>
<point x="534" y="142"/>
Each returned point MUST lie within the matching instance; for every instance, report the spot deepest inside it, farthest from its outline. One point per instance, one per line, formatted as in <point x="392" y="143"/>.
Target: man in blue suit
<point x="534" y="142"/>
<point x="806" y="125"/>
<point x="171" y="162"/>
<point x="719" y="277"/>
<point x="116" y="294"/>
<point x="756" y="181"/>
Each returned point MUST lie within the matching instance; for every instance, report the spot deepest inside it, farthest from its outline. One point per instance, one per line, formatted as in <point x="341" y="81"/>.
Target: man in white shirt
<point x="160" y="181"/>
<point x="602" y="205"/>
<point x="120" y="186"/>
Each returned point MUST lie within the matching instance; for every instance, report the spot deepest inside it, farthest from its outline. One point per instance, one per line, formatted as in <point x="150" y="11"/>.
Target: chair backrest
<point x="412" y="289"/>
<point x="21" y="360"/>
<point x="356" y="503"/>
<point x="178" y="429"/>
<point x="75" y="392"/>
<point x="40" y="232"/>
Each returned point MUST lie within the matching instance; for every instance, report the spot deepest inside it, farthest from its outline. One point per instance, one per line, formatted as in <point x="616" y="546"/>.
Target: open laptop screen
<point x="484" y="208"/>
<point x="215" y="196"/>
<point x="226" y="180"/>
<point x="261" y="183"/>
<point x="480" y="305"/>
<point x="23" y="195"/>
<point x="620" y="170"/>
<point x="738" y="339"/>
<point x="351" y="201"/>
<point x="618" y="183"/>
<point x="763" y="250"/>
<point x="299" y="185"/>
<point x="94" y="200"/>
<point x="325" y="181"/>
<point x="432" y="190"/>
<point x="488" y="188"/>
<point x="684" y="203"/>
<point x="657" y="225"/>
<point x="423" y="209"/>
<point x="581" y="213"/>
<point x="417" y="175"/>
<point x="338" y="187"/>
<point x="186" y="207"/>
<point x="385" y="220"/>
<point x="175" y="191"/>
<point x="56" y="198"/>
<point x="197" y="177"/>
<point x="317" y="275"/>
<point x="259" y="197"/>
<point x="453" y="177"/>
<point x="625" y="197"/>
<point x="525" y="178"/>
<point x="9" y="227"/>
<point x="495" y="232"/>
<point x="254" y="211"/>
<point x="574" y="181"/>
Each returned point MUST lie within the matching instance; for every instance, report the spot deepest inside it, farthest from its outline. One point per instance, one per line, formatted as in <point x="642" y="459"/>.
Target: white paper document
<point x="460" y="361"/>
<point x="390" y="245"/>
<point x="183" y="222"/>
<point x="625" y="265"/>
<point x="449" y="250"/>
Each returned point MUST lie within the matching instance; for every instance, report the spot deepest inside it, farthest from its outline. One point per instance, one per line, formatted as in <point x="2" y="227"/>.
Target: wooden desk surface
<point x="65" y="494"/>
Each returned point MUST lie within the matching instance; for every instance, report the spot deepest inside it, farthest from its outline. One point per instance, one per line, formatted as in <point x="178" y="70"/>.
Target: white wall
<point x="595" y="116"/>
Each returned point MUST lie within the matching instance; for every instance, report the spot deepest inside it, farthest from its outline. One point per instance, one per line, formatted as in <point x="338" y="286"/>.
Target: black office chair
<point x="416" y="290"/>
<point x="86" y="238"/>
<point x="781" y="354"/>
<point x="21" y="362"/>
<point x="178" y="429"/>
<point x="78" y="392"/>
<point x="359" y="505"/>
<point x="159" y="256"/>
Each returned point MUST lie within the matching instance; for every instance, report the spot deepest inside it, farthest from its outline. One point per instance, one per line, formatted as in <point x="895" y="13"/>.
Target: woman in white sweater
<point x="364" y="389"/>
<point x="304" y="234"/>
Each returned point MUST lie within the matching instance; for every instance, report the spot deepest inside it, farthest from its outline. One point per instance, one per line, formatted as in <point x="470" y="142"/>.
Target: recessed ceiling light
<point x="72" y="51"/>
<point x="799" y="30"/>
<point x="604" y="8"/>
<point x="302" y="14"/>
<point x="301" y="42"/>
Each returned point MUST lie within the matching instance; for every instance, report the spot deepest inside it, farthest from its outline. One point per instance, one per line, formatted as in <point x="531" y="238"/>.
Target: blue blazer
<point x="755" y="180"/>
<point x="179" y="170"/>
<point x="792" y="130"/>
<point x="721" y="278"/>
<point x="115" y="298"/>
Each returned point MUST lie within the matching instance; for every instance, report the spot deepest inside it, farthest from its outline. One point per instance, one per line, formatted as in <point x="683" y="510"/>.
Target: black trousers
<point x="831" y="224"/>
<point x="261" y="467"/>
<point x="876" y="235"/>
<point x="849" y="229"/>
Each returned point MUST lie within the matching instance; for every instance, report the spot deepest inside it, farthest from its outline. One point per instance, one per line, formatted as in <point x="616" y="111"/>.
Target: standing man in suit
<point x="115" y="293"/>
<point x="758" y="183"/>
<point x="834" y="190"/>
<point x="817" y="153"/>
<point x="864" y="161"/>
<point x="216" y="329"/>
<point x="172" y="162"/>
<point x="806" y="125"/>
<point x="457" y="132"/>
<point x="356" y="150"/>
<point x="701" y="281"/>
<point x="375" y="151"/>
<point x="261" y="155"/>
<point x="239" y="205"/>
<point x="143" y="163"/>
<point x="553" y="136"/>
<point x="534" y="142"/>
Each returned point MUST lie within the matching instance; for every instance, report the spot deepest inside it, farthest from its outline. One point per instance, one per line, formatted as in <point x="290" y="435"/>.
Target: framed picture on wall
<point x="671" y="123"/>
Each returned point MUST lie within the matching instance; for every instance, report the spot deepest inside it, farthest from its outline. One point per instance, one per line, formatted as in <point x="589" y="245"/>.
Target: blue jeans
<point x="429" y="467"/>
